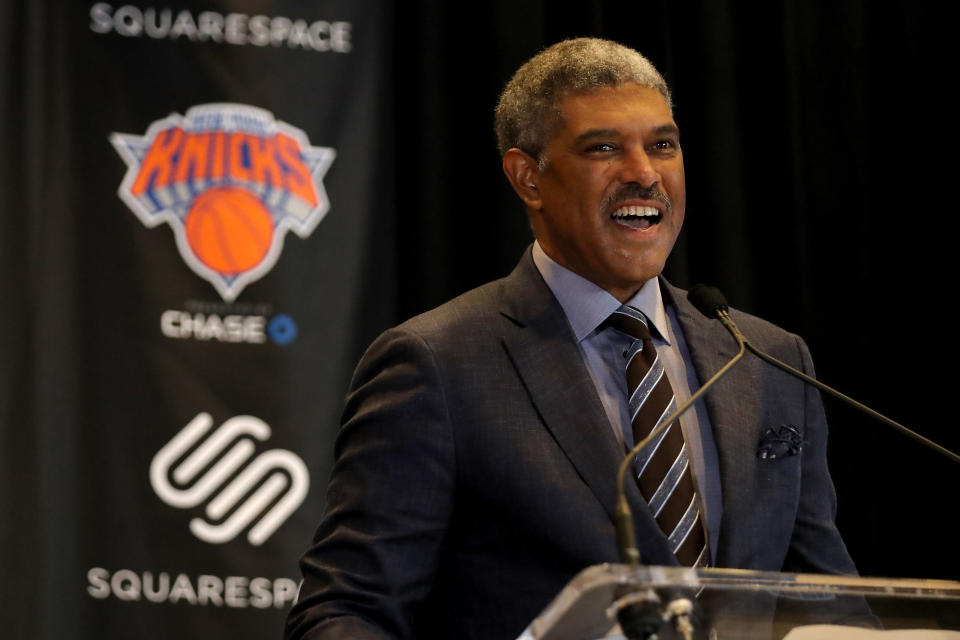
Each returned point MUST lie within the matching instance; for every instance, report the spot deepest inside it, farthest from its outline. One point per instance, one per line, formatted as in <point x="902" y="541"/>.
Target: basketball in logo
<point x="230" y="180"/>
<point x="229" y="229"/>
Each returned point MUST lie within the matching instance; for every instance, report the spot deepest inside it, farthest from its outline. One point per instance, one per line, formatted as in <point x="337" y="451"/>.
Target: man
<point x="475" y="468"/>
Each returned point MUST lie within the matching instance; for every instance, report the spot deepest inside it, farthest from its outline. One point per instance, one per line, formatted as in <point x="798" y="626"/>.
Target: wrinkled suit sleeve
<point x="389" y="500"/>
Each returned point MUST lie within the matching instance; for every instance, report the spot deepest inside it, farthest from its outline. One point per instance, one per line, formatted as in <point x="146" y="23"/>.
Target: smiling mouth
<point x="638" y="218"/>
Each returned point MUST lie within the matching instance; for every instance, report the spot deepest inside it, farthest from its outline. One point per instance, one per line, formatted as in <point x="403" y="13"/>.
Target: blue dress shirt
<point x="587" y="306"/>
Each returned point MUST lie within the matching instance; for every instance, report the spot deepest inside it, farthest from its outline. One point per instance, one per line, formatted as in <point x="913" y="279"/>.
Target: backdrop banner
<point x="196" y="210"/>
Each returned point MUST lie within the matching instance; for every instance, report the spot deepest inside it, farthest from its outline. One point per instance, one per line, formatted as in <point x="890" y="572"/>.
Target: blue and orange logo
<point x="230" y="180"/>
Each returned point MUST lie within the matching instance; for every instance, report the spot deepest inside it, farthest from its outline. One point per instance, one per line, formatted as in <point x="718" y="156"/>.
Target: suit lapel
<point x="710" y="345"/>
<point x="542" y="347"/>
<point x="732" y="411"/>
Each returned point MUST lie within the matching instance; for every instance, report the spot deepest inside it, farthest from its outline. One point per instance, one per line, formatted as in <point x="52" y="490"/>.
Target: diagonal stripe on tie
<point x="676" y="503"/>
<point x="670" y="482"/>
<point x="683" y="529"/>
<point x="643" y="390"/>
<point x="644" y="456"/>
<point x="692" y="551"/>
<point x="661" y="461"/>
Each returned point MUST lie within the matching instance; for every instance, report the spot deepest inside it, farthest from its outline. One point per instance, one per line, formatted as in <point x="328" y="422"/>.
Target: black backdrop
<point x="819" y="149"/>
<point x="819" y="141"/>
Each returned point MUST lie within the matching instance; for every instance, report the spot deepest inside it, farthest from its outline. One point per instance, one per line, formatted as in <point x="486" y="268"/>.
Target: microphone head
<point x="708" y="300"/>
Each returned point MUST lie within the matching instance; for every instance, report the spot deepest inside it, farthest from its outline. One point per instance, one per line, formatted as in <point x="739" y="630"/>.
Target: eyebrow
<point x="664" y="129"/>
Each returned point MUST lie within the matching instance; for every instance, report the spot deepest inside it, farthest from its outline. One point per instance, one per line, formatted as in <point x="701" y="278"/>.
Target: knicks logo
<point x="230" y="180"/>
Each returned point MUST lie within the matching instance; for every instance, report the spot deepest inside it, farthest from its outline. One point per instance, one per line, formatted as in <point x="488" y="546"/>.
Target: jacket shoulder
<point x="762" y="333"/>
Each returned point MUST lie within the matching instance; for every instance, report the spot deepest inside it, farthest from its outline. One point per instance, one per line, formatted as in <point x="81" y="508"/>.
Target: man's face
<point x="610" y="200"/>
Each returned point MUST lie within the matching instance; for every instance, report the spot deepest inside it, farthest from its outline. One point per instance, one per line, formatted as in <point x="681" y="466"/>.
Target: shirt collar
<point x="587" y="305"/>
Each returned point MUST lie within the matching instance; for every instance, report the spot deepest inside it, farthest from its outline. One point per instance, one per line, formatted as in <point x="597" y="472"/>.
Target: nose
<point x="639" y="168"/>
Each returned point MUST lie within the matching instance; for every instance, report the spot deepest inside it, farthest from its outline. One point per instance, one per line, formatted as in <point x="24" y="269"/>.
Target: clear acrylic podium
<point x="749" y="605"/>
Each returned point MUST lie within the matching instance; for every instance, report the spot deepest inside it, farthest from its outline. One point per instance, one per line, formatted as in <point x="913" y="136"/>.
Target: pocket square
<point x="784" y="441"/>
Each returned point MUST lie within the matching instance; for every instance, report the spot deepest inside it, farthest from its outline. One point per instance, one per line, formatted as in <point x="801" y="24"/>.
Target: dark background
<point x="819" y="145"/>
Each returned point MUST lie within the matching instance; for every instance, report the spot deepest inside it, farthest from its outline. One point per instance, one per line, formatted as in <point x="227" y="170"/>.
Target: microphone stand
<point x="638" y="615"/>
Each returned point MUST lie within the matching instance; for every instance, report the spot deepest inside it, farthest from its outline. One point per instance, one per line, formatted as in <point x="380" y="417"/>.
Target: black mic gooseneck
<point x="711" y="303"/>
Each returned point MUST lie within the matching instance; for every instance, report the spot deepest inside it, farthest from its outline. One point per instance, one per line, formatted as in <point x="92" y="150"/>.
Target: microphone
<point x="711" y="303"/>
<point x="708" y="300"/>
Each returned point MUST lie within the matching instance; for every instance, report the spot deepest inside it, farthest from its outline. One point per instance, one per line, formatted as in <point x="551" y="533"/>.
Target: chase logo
<point x="230" y="180"/>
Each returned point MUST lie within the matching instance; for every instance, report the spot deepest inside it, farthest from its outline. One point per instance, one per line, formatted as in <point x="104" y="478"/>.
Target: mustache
<point x="636" y="191"/>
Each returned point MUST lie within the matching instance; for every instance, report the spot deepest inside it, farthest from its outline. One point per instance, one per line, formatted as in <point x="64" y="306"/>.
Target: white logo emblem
<point x="273" y="472"/>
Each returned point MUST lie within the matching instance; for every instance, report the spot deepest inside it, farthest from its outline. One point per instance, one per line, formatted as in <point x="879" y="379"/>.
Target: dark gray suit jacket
<point x="475" y="470"/>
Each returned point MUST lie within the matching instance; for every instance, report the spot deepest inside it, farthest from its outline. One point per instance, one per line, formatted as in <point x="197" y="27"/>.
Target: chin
<point x="636" y="278"/>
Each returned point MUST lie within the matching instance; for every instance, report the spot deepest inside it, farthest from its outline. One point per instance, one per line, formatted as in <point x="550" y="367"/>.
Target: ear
<point x="523" y="172"/>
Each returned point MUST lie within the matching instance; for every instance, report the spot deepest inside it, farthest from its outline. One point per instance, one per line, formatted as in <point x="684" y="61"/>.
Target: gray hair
<point x="528" y="111"/>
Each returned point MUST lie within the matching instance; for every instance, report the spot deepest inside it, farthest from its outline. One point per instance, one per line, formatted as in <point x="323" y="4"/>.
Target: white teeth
<point x="646" y="212"/>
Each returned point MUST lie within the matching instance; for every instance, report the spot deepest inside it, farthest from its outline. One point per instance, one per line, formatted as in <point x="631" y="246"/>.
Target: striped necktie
<point x="663" y="470"/>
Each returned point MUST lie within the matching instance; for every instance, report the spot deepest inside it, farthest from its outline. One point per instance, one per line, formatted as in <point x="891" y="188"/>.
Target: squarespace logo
<point x="217" y="468"/>
<point x="247" y="488"/>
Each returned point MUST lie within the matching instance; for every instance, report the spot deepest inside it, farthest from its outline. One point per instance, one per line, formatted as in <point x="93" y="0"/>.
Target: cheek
<point x="676" y="187"/>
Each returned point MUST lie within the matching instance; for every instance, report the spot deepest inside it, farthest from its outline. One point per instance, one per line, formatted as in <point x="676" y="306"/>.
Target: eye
<point x="601" y="147"/>
<point x="666" y="144"/>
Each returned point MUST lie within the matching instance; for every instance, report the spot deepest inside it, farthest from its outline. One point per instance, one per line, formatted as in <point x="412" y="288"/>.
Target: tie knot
<point x="630" y="321"/>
